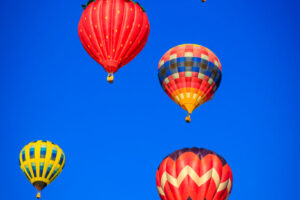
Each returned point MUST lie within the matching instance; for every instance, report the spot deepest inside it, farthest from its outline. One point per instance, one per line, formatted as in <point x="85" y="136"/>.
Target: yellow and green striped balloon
<point x="41" y="162"/>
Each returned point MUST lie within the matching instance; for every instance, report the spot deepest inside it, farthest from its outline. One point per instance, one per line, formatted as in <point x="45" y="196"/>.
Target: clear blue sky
<point x="115" y="136"/>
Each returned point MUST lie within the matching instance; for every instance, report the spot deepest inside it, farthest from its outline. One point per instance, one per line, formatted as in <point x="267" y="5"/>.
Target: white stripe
<point x="216" y="63"/>
<point x="203" y="56"/>
<point x="188" y="171"/>
<point x="166" y="80"/>
<point x="210" y="81"/>
<point x="163" y="179"/>
<point x="222" y="186"/>
<point x="188" y="54"/>
<point x="173" y="56"/>
<point x="160" y="190"/>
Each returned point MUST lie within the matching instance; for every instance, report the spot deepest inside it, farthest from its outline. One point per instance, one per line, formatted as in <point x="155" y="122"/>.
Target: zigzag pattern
<point x="187" y="175"/>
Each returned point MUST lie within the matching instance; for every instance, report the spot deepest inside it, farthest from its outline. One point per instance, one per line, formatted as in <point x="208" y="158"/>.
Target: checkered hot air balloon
<point x="113" y="32"/>
<point x="194" y="174"/>
<point x="189" y="74"/>
<point x="41" y="162"/>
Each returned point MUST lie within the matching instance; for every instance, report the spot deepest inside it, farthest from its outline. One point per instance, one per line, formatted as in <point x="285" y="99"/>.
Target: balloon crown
<point x="134" y="2"/>
<point x="90" y="1"/>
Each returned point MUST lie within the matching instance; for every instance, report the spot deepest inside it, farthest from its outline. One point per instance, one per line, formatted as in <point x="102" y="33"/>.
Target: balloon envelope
<point x="41" y="162"/>
<point x="194" y="174"/>
<point x="189" y="74"/>
<point x="113" y="32"/>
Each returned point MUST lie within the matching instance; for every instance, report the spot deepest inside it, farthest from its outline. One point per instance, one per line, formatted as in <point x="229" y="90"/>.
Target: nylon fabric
<point x="113" y="32"/>
<point x="41" y="162"/>
<point x="189" y="74"/>
<point x="195" y="174"/>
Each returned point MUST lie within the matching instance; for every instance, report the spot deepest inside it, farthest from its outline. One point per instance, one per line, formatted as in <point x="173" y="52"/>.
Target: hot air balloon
<point x="194" y="174"/>
<point x="41" y="162"/>
<point x="189" y="74"/>
<point x="113" y="32"/>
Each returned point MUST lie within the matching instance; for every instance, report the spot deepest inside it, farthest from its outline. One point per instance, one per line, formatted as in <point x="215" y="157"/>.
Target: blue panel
<point x="196" y="59"/>
<point x="181" y="59"/>
<point x="61" y="158"/>
<point x="43" y="152"/>
<point x="48" y="170"/>
<point x="218" y="76"/>
<point x="166" y="64"/>
<point x="31" y="152"/>
<point x="54" y="172"/>
<point x="33" y="169"/>
<point x="28" y="171"/>
<point x="161" y="80"/>
<point x="208" y="73"/>
<point x="41" y="169"/>
<point x="54" y="152"/>
<point x="23" y="156"/>
<point x="211" y="65"/>
<point x="218" y="81"/>
<point x="169" y="72"/>
<point x="195" y="69"/>
<point x="181" y="69"/>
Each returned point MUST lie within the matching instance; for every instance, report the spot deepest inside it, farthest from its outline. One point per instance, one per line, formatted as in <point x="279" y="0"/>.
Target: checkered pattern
<point x="194" y="174"/>
<point x="190" y="74"/>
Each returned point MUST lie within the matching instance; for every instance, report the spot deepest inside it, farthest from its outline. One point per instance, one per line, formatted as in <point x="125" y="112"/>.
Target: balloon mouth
<point x="188" y="107"/>
<point x="112" y="66"/>
<point x="39" y="185"/>
<point x="110" y="78"/>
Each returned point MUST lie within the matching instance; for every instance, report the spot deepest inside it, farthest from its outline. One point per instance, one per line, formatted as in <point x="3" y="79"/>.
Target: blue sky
<point x="115" y="136"/>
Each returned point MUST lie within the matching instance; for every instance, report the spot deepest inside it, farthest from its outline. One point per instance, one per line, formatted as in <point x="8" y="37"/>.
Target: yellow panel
<point x="189" y="98"/>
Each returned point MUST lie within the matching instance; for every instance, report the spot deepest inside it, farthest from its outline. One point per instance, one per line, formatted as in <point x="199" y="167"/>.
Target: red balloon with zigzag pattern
<point x="194" y="174"/>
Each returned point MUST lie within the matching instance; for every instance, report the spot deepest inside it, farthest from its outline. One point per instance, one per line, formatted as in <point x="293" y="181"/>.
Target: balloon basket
<point x="110" y="78"/>
<point x="38" y="195"/>
<point x="188" y="119"/>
